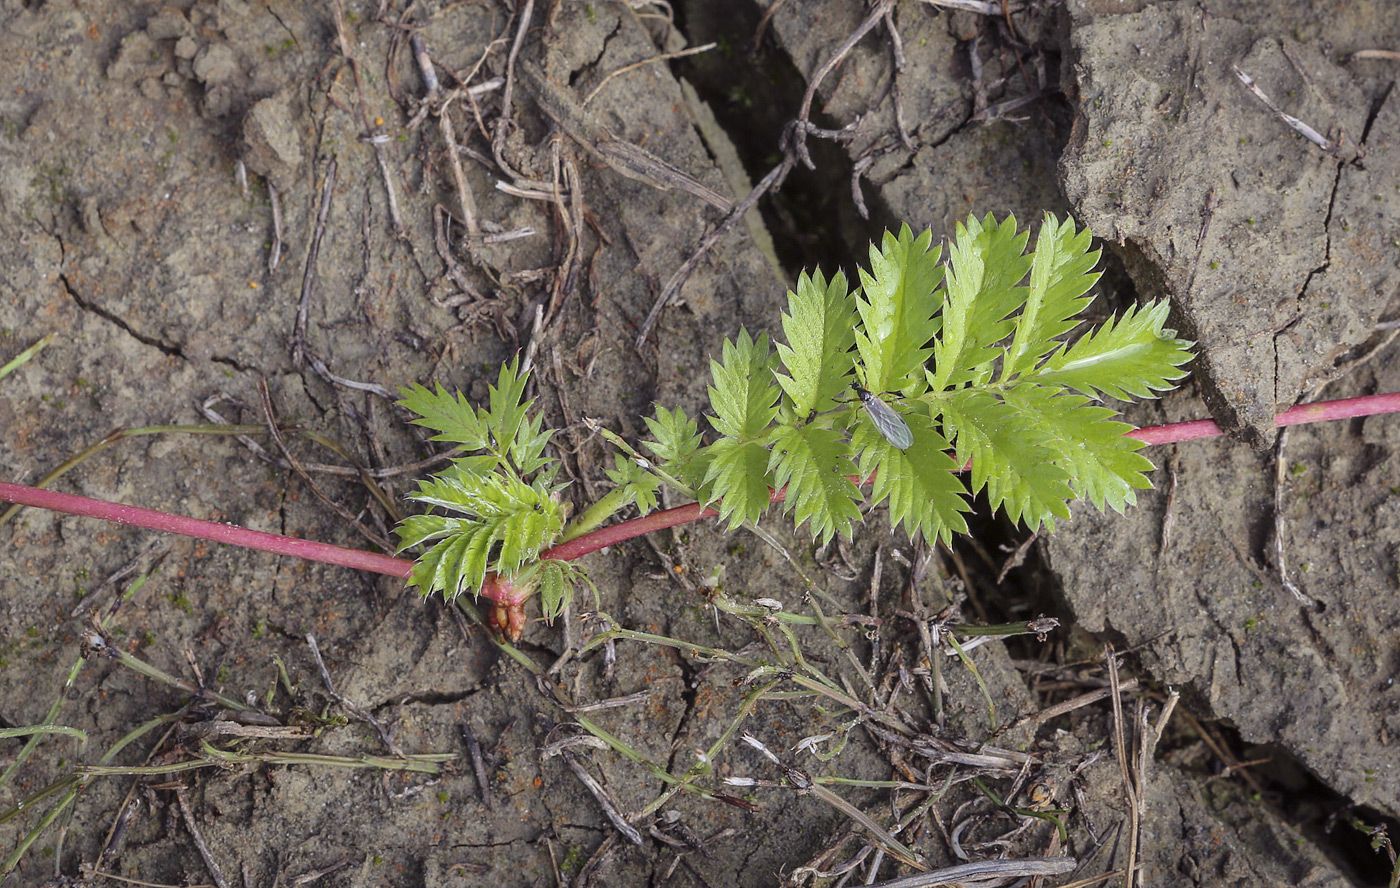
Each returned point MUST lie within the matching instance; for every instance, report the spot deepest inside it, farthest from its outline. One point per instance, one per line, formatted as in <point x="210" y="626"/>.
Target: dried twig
<point x="466" y="202"/>
<point x="664" y="57"/>
<point x="1293" y="123"/>
<point x="369" y="134"/>
<point x="682" y="274"/>
<point x="965" y="873"/>
<point x="503" y="122"/>
<point x="603" y="797"/>
<point x="1132" y="788"/>
<point x="571" y="220"/>
<point x="209" y="862"/>
<point x="803" y="783"/>
<point x="121" y="573"/>
<point x="308" y="278"/>
<point x="621" y="156"/>
<point x="274" y="254"/>
<point x="483" y="782"/>
<point x="1389" y="55"/>
<point x="1070" y="705"/>
<point x="350" y="707"/>
<point x="296" y="466"/>
<point x="1280" y="482"/>
<point x="795" y="140"/>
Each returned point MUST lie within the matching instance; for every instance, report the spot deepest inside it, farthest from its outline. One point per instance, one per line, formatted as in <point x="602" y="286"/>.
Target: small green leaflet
<point x="1129" y="357"/>
<point x="744" y="398"/>
<point x="820" y="337"/>
<point x="897" y="307"/>
<point x="815" y="466"/>
<point x="641" y="485"/>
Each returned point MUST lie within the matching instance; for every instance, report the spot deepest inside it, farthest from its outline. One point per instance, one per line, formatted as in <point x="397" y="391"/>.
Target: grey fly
<point x="889" y="424"/>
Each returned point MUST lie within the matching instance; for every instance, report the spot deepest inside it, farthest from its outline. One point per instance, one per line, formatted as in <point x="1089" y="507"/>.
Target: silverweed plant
<point x="929" y="366"/>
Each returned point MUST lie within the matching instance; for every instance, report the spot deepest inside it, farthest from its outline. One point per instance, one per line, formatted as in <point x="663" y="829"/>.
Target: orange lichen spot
<point x="92" y="31"/>
<point x="537" y="782"/>
<point x="252" y="285"/>
<point x="378" y="121"/>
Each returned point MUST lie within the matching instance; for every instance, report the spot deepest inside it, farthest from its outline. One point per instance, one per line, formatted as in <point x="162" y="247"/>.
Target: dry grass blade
<point x="1129" y="774"/>
<point x="964" y="874"/>
<point x="610" y="809"/>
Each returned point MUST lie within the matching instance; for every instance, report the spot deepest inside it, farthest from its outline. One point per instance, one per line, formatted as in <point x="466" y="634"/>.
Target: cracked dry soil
<point x="129" y="231"/>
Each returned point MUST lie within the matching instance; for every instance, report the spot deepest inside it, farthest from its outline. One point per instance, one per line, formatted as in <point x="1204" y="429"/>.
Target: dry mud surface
<point x="204" y="200"/>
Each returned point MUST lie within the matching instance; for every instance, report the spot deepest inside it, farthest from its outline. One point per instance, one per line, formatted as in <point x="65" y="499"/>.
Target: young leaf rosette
<point x="497" y="509"/>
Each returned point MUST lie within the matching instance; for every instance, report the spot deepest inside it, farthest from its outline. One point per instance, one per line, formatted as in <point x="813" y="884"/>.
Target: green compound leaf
<point x="1102" y="461"/>
<point x="920" y="483"/>
<point x="820" y="336"/>
<point x="507" y="411"/>
<point x="1128" y="357"/>
<point x="555" y="587"/>
<point x="738" y="477"/>
<point x="898" y="305"/>
<point x="925" y="339"/>
<point x="813" y="463"/>
<point x="527" y="447"/>
<point x="966" y="269"/>
<point x="1009" y="457"/>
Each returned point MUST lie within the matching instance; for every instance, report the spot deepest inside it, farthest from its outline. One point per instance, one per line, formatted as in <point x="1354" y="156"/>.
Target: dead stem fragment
<point x="466" y="202"/>
<point x="350" y="707"/>
<point x="964" y="874"/>
<point x="1293" y="123"/>
<point x="308" y="278"/>
<point x="605" y="801"/>
<point x="198" y="838"/>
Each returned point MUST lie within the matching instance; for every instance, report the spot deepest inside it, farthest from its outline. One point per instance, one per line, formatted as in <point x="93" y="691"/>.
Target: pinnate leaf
<point x="898" y="306"/>
<point x="1132" y="356"/>
<point x="966" y="270"/>
<point x="820" y="335"/>
<point x="814" y="464"/>
<point x="744" y="396"/>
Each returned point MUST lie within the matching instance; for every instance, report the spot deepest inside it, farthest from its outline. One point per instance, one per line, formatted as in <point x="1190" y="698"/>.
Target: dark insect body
<point x="889" y="424"/>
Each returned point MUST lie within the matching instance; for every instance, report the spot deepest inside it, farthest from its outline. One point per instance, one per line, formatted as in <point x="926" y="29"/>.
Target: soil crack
<point x="89" y="305"/>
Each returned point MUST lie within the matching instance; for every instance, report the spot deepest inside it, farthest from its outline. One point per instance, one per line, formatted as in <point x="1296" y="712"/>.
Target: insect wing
<point x="889" y="424"/>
